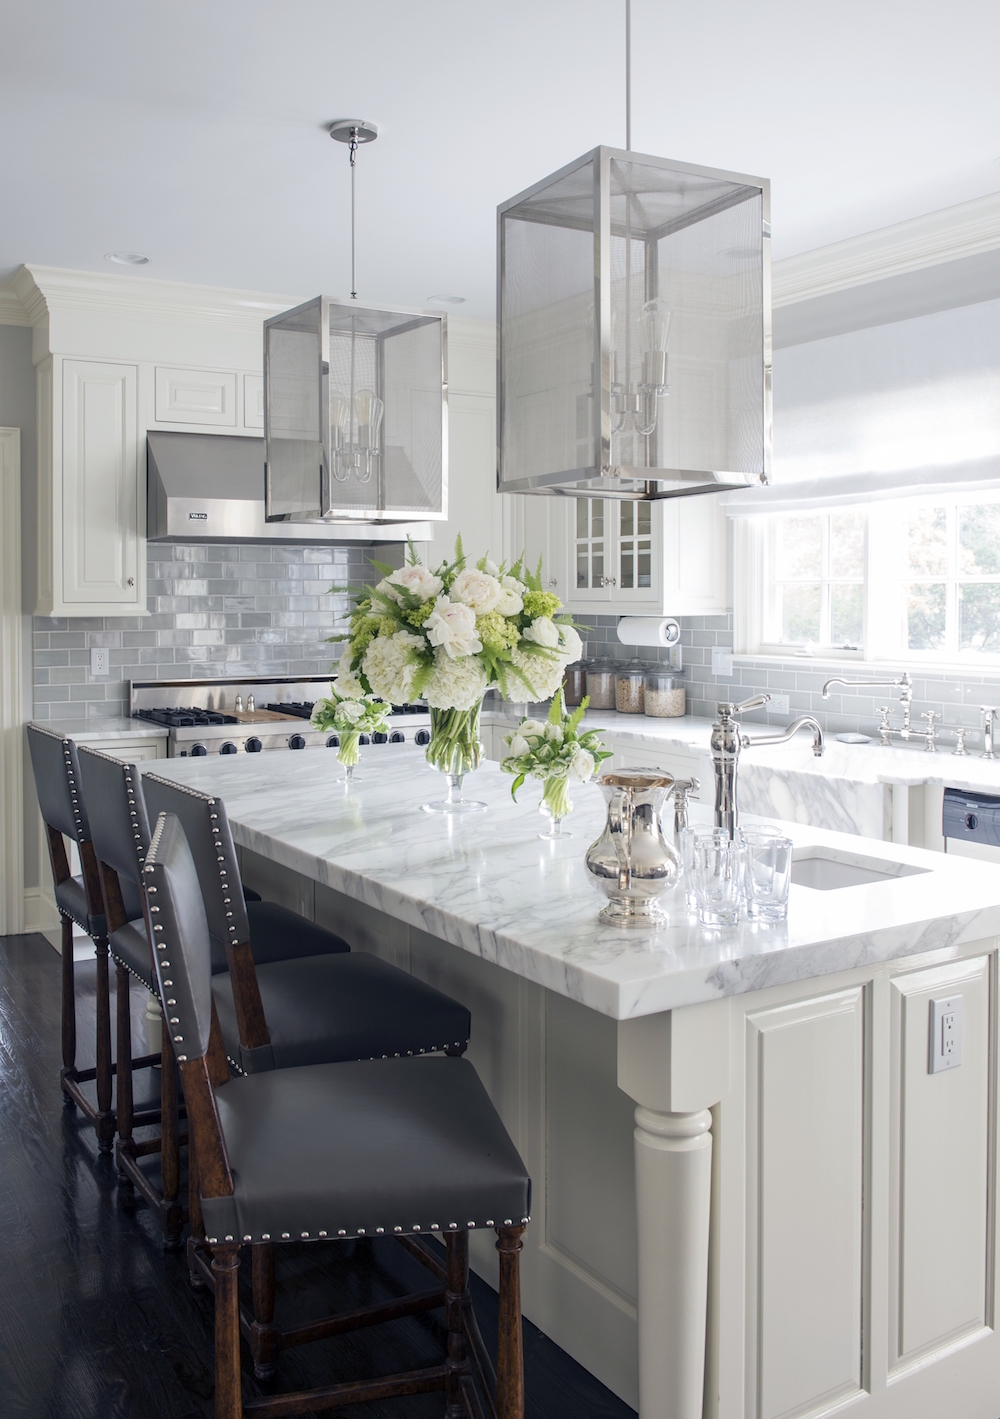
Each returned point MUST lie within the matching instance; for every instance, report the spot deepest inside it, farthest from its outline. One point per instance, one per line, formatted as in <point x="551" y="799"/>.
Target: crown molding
<point x="968" y="229"/>
<point x="41" y="290"/>
<point x="12" y="312"/>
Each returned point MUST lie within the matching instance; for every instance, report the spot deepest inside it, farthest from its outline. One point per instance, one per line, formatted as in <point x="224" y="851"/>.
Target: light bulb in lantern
<point x="655" y="339"/>
<point x="340" y="433"/>
<point x="368" y="407"/>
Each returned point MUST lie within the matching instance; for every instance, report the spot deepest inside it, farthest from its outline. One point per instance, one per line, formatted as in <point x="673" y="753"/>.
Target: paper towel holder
<point x="662" y="632"/>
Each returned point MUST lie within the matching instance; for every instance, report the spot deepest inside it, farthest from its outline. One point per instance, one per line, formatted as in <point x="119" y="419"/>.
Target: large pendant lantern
<point x="635" y="330"/>
<point x="355" y="405"/>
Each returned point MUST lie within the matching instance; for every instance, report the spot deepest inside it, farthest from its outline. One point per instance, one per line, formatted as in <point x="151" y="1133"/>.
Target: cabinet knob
<point x="131" y="581"/>
<point x="553" y="581"/>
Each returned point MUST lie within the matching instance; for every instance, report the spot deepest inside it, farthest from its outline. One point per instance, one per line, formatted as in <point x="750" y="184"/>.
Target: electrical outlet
<point x="100" y="661"/>
<point x="778" y="705"/>
<point x="946" y="1034"/>
<point x="722" y="661"/>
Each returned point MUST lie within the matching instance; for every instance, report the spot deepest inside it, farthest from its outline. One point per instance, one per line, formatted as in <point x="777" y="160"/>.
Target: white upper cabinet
<point x="633" y="558"/>
<point x="91" y="515"/>
<point x="196" y="397"/>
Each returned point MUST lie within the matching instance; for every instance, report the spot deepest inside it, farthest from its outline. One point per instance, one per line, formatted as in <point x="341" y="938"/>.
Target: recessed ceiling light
<point x="127" y="258"/>
<point x="446" y="300"/>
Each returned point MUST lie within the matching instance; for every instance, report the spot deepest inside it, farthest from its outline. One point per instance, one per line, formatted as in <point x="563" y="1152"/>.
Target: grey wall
<point x="17" y="411"/>
<point x="215" y="612"/>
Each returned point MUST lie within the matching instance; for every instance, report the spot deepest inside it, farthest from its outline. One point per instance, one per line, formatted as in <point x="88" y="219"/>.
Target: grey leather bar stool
<point x="395" y="1147"/>
<point x="57" y="782"/>
<point x="120" y="828"/>
<point x="316" y="1010"/>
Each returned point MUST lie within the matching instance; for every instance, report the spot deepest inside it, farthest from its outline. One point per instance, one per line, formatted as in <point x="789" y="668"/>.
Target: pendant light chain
<point x="354" y="265"/>
<point x="628" y="75"/>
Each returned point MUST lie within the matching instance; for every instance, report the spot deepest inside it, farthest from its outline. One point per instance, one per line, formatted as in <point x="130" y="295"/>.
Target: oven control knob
<point x="198" y="751"/>
<point x="253" y="746"/>
<point x="297" y="741"/>
<point x="971" y="822"/>
<point x="380" y="738"/>
<point x="397" y="737"/>
<point x="333" y="742"/>
<point x="422" y="736"/>
<point x="228" y="748"/>
<point x="363" y="739"/>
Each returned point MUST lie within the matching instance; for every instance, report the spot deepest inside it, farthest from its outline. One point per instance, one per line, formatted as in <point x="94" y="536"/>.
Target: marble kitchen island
<point x="751" y="1198"/>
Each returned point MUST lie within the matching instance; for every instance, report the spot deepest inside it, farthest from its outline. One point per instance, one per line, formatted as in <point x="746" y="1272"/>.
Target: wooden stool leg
<point x="510" y="1353"/>
<point x="123" y="1071"/>
<point x="105" y="1121"/>
<point x="228" y="1389"/>
<point x="170" y="1156"/>
<point x="263" y="1332"/>
<point x="456" y="1298"/>
<point x="68" y="1007"/>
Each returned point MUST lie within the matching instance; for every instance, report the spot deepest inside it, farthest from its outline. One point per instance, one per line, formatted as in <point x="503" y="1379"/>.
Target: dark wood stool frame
<point x="498" y="1396"/>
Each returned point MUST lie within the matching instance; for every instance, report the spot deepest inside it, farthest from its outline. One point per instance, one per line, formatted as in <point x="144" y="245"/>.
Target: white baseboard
<point x="40" y="915"/>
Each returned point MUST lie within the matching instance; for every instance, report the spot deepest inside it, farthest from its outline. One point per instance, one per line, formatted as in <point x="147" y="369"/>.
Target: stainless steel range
<point x="248" y="716"/>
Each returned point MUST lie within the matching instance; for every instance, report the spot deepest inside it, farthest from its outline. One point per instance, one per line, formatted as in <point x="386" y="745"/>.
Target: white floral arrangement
<point x="351" y="712"/>
<point x="446" y="635"/>
<point x="556" y="753"/>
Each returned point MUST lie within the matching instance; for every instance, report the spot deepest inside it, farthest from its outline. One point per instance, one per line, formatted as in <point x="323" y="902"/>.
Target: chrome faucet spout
<point x="805" y="721"/>
<point x="904" y="683"/>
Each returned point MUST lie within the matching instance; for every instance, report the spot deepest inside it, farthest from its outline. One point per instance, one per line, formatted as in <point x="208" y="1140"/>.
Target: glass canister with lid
<point x="574" y="683"/>
<point x="601" y="684"/>
<point x="629" y="696"/>
<point x="664" y="694"/>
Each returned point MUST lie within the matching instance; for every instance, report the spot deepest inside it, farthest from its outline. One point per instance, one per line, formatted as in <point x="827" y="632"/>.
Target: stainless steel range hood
<point x="210" y="488"/>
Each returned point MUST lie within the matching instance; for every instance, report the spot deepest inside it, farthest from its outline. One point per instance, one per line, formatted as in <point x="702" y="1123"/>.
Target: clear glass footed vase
<point x="455" y="749"/>
<point x="556" y="803"/>
<point x="349" y="752"/>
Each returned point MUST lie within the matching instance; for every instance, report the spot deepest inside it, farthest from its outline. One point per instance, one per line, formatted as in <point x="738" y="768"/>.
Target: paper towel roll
<point x="662" y="631"/>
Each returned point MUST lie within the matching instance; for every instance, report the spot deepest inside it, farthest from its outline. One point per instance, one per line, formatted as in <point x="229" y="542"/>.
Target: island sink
<point x="828" y="872"/>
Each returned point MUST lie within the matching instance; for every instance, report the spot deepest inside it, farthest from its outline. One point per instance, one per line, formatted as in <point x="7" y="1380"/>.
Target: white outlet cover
<point x="722" y="661"/>
<point x="945" y="1034"/>
<point x="100" y="661"/>
<point x="778" y="705"/>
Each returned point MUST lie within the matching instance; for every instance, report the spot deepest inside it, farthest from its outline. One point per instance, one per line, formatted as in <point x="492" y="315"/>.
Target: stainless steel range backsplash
<point x="215" y="611"/>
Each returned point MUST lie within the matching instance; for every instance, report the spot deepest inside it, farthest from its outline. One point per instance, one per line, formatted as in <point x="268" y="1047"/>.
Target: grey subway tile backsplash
<point x="214" y="612"/>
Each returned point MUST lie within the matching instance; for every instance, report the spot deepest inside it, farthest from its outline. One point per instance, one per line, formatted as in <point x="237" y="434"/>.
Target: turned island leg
<point x="675" y="1066"/>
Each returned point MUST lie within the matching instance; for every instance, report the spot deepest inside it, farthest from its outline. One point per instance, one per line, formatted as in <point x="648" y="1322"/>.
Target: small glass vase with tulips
<point x="557" y="753"/>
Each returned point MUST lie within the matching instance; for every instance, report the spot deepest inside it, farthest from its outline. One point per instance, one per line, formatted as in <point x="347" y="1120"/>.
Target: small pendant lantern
<point x="355" y="405"/>
<point x="634" y="302"/>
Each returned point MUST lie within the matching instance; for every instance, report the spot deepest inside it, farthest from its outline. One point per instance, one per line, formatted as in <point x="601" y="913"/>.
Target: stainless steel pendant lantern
<point x="634" y="300"/>
<point x="355" y="403"/>
<point x="355" y="414"/>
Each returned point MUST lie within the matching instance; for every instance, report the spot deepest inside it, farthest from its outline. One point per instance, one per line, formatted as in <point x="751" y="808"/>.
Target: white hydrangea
<point x="543" y="631"/>
<point x="388" y="667"/>
<point x="581" y="766"/>
<point x="477" y="589"/>
<point x="455" y="684"/>
<point x="416" y="580"/>
<point x="543" y="673"/>
<point x="570" y="644"/>
<point x="452" y="626"/>
<point x="348" y="686"/>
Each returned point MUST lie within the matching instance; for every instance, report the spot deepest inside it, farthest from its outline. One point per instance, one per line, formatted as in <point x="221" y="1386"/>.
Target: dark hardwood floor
<point x="97" y="1322"/>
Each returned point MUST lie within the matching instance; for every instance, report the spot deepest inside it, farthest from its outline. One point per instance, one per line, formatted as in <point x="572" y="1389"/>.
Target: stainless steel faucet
<point x="886" y="730"/>
<point x="989" y="729"/>
<point x="683" y="791"/>
<point x="728" y="739"/>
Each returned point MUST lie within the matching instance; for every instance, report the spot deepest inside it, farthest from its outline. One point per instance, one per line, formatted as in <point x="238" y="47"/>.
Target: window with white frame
<point x="914" y="578"/>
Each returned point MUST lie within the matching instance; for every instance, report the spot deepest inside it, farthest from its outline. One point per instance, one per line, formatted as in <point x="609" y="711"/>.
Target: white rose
<point x="543" y="631"/>
<point x="518" y="747"/>
<point x="350" y="710"/>
<point x="476" y="589"/>
<point x="511" y="583"/>
<point x="581" y="766"/>
<point x="553" y="733"/>
<point x="533" y="727"/>
<point x="510" y="601"/>
<point x="490" y="567"/>
<point x="570" y="643"/>
<point x="453" y="627"/>
<point x="418" y="581"/>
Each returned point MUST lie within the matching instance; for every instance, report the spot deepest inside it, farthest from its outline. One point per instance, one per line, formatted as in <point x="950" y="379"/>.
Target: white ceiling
<point x="194" y="130"/>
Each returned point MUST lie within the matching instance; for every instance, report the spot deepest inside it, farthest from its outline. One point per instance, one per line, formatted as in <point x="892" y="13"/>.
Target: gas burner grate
<point x="185" y="718"/>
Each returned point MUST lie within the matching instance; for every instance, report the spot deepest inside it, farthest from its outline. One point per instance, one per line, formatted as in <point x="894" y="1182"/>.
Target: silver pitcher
<point x="632" y="861"/>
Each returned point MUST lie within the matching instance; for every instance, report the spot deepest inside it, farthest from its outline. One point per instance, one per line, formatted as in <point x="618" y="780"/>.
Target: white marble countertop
<point x="487" y="884"/>
<point x="91" y="731"/>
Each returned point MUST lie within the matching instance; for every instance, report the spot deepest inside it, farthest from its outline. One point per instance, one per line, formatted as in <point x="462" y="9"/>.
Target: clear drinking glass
<point x="718" y="876"/>
<point x="767" y="870"/>
<point x="685" y="847"/>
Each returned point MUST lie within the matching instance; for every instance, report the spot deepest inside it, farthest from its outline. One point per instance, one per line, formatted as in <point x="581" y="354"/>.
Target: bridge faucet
<point x="728" y="739"/>
<point x="905" y="687"/>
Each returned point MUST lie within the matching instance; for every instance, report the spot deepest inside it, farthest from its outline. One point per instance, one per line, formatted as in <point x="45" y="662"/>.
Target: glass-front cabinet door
<point x="612" y="552"/>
